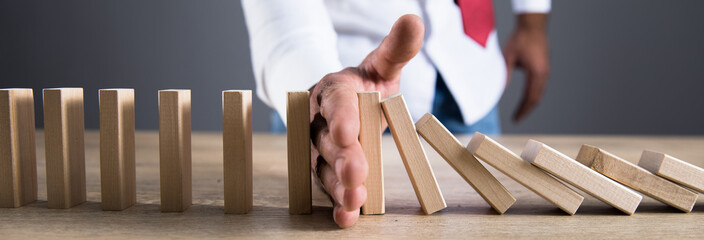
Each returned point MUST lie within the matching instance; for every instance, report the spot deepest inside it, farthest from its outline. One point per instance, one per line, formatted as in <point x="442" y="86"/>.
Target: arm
<point x="527" y="48"/>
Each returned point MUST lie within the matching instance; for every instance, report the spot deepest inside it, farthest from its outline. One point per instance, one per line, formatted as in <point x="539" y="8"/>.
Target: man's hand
<point x="336" y="152"/>
<point x="528" y="48"/>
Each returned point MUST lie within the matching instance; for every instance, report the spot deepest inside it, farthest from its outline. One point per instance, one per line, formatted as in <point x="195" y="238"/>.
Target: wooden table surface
<point x="467" y="215"/>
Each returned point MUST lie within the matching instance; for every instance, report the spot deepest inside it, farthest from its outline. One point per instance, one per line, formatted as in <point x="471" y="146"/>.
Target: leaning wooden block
<point x="298" y="143"/>
<point x="370" y="118"/>
<point x="525" y="173"/>
<point x="117" y="155"/>
<point x="237" y="150"/>
<point x="175" y="149"/>
<point x="413" y="154"/>
<point x="464" y="163"/>
<point x="581" y="177"/>
<point x="673" y="169"/>
<point x="18" y="158"/>
<point x="64" y="147"/>
<point x="637" y="178"/>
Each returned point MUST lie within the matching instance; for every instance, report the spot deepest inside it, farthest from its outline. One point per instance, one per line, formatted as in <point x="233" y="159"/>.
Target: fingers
<point x="346" y="202"/>
<point x="338" y="143"/>
<point x="511" y="61"/>
<point x="348" y="163"/>
<point x="340" y="107"/>
<point x="535" y="86"/>
<point x="344" y="219"/>
<point x="402" y="44"/>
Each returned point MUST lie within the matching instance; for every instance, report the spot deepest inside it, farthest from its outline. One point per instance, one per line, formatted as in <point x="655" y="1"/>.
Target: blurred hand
<point x="336" y="151"/>
<point x="527" y="48"/>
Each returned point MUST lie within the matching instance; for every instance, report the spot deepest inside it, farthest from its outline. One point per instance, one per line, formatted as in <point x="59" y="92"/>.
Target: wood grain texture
<point x="525" y="173"/>
<point x="18" y="160"/>
<point x="581" y="177"/>
<point x="175" y="150"/>
<point x="65" y="149"/>
<point x="237" y="150"/>
<point x="467" y="214"/>
<point x="464" y="163"/>
<point x="674" y="169"/>
<point x="636" y="178"/>
<point x="117" y="156"/>
<point x="414" y="159"/>
<point x="370" y="131"/>
<point x="298" y="145"/>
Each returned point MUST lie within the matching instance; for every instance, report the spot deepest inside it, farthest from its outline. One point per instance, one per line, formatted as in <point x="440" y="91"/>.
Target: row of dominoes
<point x="595" y="171"/>
<point x="65" y="163"/>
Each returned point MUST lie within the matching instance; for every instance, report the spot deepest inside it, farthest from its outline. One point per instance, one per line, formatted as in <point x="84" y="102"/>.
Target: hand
<point x="528" y="48"/>
<point x="335" y="116"/>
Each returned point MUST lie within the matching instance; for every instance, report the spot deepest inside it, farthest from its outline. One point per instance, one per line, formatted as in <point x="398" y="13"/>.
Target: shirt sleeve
<point x="292" y="44"/>
<point x="531" y="6"/>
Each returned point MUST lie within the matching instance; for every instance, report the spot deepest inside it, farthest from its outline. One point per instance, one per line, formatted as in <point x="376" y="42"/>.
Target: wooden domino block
<point x="237" y="150"/>
<point x="581" y="176"/>
<point x="298" y="145"/>
<point x="175" y="149"/>
<point x="673" y="169"/>
<point x="637" y="178"/>
<point x="464" y="163"/>
<point x="117" y="153"/>
<point x="18" y="160"/>
<point x="370" y="118"/>
<point x="413" y="154"/>
<point x="64" y="147"/>
<point x="525" y="173"/>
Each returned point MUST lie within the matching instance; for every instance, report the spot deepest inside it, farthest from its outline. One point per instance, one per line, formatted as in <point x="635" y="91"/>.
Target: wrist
<point x="532" y="22"/>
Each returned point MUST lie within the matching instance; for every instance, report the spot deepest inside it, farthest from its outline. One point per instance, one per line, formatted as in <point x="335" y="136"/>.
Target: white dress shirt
<point x="295" y="43"/>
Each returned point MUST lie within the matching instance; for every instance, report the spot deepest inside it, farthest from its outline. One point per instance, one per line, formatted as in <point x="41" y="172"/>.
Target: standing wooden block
<point x="413" y="154"/>
<point x="637" y="178"/>
<point x="18" y="160"/>
<point x="525" y="173"/>
<point x="370" y="118"/>
<point x="581" y="177"/>
<point x="65" y="150"/>
<point x="298" y="144"/>
<point x="237" y="150"/>
<point x="175" y="149"/>
<point x="117" y="155"/>
<point x="673" y="169"/>
<point x="464" y="163"/>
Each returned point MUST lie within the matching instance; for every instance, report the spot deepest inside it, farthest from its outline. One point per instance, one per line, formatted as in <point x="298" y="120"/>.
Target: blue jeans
<point x="445" y="109"/>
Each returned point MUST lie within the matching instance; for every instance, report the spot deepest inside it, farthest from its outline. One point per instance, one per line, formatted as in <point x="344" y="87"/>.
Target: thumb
<point x="397" y="48"/>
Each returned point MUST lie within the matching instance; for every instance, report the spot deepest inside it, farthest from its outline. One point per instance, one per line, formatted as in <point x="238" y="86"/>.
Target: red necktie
<point x="478" y="19"/>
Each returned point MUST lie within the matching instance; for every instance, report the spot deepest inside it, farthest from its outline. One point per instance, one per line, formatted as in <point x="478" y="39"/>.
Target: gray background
<point x="618" y="67"/>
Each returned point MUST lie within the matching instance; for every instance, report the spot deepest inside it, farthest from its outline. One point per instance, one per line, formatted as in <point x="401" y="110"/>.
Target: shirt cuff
<point x="531" y="6"/>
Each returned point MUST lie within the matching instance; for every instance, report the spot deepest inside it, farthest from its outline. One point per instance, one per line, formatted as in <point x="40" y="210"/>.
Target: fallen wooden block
<point x="300" y="200"/>
<point x="525" y="173"/>
<point x="370" y="131"/>
<point x="175" y="149"/>
<point x="673" y="169"/>
<point x="237" y="150"/>
<point x="117" y="153"/>
<point x="580" y="176"/>
<point x="465" y="163"/>
<point x="637" y="178"/>
<point x="413" y="154"/>
<point x="18" y="157"/>
<point x="64" y="147"/>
